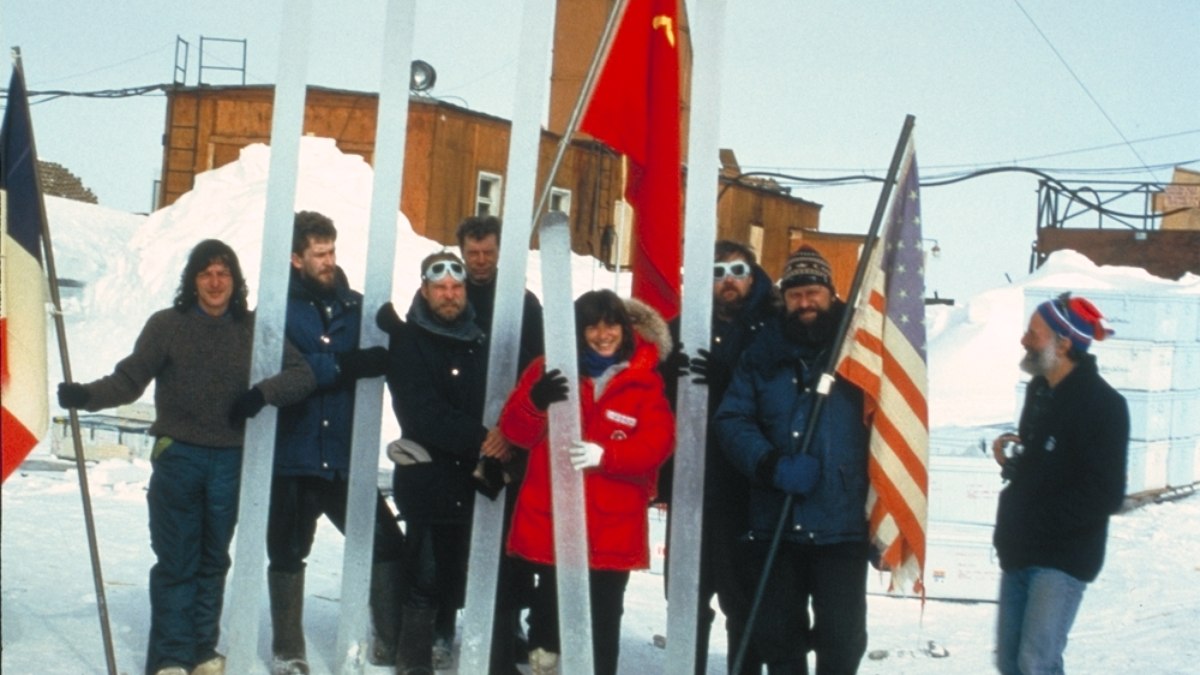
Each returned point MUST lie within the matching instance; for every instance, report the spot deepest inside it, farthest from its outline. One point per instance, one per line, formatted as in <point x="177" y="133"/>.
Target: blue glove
<point x="796" y="474"/>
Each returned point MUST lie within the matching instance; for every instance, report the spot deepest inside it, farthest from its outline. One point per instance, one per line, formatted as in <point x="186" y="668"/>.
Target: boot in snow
<point x="286" y="591"/>
<point x="385" y="611"/>
<point x="542" y="662"/>
<point x="414" y="653"/>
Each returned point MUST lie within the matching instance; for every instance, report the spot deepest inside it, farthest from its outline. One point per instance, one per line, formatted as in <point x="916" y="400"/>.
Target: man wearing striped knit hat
<point x="1066" y="475"/>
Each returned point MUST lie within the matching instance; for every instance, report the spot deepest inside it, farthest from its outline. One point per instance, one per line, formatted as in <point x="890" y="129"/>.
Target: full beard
<point x="818" y="333"/>
<point x="1040" y="362"/>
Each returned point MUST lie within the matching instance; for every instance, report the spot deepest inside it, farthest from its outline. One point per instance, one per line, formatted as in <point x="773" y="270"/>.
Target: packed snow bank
<point x="974" y="349"/>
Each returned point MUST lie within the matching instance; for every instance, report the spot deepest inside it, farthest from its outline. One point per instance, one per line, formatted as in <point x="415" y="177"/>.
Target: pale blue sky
<point x="815" y="88"/>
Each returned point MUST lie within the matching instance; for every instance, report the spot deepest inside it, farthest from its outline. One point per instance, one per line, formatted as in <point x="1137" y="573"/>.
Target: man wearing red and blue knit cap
<point x="1066" y="476"/>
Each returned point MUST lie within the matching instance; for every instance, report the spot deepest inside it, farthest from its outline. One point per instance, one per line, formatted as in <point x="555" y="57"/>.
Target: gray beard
<point x="1040" y="362"/>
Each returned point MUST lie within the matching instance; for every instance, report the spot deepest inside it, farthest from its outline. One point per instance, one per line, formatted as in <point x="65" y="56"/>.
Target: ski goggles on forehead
<point x="443" y="268"/>
<point x="737" y="270"/>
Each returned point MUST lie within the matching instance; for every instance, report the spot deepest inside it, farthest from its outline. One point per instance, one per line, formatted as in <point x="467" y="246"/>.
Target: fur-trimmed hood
<point x="650" y="326"/>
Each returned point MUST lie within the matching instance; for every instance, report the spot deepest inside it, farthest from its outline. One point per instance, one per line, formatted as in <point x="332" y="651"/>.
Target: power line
<point x="1083" y="86"/>
<point x="98" y="69"/>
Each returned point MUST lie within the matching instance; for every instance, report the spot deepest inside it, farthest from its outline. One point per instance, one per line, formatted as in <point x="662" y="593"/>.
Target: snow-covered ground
<point x="1140" y="616"/>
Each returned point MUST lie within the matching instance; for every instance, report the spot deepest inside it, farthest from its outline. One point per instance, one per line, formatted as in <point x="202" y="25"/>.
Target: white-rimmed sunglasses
<point x="737" y="270"/>
<point x="440" y="269"/>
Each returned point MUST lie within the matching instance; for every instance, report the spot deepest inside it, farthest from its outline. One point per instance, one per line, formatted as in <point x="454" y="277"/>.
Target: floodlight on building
<point x="936" y="250"/>
<point x="423" y="76"/>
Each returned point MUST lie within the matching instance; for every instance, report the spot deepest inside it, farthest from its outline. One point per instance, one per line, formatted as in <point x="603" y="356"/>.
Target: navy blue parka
<point x="766" y="408"/>
<point x="313" y="436"/>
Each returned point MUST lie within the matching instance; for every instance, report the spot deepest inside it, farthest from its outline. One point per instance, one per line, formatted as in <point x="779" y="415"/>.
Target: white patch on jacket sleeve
<point x="617" y="417"/>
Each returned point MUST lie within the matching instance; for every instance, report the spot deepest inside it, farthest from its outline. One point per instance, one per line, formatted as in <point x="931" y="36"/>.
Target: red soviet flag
<point x="635" y="110"/>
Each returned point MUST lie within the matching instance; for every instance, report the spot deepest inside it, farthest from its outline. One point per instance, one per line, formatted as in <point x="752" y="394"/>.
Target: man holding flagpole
<point x="823" y="556"/>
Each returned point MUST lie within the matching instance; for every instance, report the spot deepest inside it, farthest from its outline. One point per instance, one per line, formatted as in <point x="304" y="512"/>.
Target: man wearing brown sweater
<point x="198" y="354"/>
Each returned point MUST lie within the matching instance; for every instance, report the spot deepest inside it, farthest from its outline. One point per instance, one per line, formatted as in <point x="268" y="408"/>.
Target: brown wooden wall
<point x="446" y="148"/>
<point x="1164" y="253"/>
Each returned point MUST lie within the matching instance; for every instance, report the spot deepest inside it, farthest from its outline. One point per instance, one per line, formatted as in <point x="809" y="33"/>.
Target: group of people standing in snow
<point x="770" y="343"/>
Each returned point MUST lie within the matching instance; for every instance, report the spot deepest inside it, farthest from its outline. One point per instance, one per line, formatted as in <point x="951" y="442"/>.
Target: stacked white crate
<point x="1154" y="361"/>
<point x="964" y="488"/>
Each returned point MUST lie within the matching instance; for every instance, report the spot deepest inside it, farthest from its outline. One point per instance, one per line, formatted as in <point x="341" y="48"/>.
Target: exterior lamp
<point x="422" y="77"/>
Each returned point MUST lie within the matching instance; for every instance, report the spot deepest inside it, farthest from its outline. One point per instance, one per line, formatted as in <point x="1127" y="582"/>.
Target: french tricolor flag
<point x="23" y="384"/>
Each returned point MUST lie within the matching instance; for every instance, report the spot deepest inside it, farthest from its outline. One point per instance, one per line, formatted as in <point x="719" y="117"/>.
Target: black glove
<point x="359" y="363"/>
<point x="489" y="477"/>
<point x="387" y="319"/>
<point x="72" y="395"/>
<point x="551" y="388"/>
<point x="676" y="364"/>
<point x="699" y="366"/>
<point x="1008" y="470"/>
<point x="246" y="406"/>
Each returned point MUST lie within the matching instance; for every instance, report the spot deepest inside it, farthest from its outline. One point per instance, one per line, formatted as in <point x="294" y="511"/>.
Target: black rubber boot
<point x="286" y="590"/>
<point x="414" y="650"/>
<point x="385" y="611"/>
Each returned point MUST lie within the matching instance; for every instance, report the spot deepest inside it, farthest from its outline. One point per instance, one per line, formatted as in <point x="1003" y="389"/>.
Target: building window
<point x="560" y="200"/>
<point x="620" y="236"/>
<point x="487" y="196"/>
<point x="756" y="240"/>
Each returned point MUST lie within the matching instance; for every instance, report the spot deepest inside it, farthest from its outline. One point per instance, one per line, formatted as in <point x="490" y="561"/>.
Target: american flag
<point x="884" y="355"/>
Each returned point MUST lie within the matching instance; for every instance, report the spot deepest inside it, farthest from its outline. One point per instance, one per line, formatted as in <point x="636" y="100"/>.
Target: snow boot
<point x="213" y="666"/>
<point x="385" y="611"/>
<point x="414" y="652"/>
<point x="286" y="591"/>
<point x="542" y="662"/>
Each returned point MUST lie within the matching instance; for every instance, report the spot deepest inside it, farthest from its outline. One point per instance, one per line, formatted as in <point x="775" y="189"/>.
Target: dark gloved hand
<point x="489" y="477"/>
<point x="796" y="474"/>
<point x="72" y="395"/>
<point x="1008" y="470"/>
<point x="246" y="406"/>
<point x="551" y="388"/>
<point x="699" y="366"/>
<point x="676" y="363"/>
<point x="387" y="319"/>
<point x="360" y="363"/>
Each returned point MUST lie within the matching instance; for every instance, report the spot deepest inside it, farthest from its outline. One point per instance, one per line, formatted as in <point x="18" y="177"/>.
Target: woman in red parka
<point x="628" y="432"/>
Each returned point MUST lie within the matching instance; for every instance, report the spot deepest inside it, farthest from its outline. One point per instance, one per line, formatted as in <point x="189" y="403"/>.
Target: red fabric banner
<point x="635" y="110"/>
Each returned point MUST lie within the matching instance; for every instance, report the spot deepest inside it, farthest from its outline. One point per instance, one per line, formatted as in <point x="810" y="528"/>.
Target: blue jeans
<point x="193" y="499"/>
<point x="1037" y="608"/>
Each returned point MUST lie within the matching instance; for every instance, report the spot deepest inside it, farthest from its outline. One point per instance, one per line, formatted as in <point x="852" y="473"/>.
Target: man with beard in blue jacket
<point x="312" y="448"/>
<point x="823" y="557"/>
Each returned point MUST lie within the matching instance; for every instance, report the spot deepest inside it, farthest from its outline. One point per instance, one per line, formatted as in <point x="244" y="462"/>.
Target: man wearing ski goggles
<point x="444" y="268"/>
<point x="443" y="276"/>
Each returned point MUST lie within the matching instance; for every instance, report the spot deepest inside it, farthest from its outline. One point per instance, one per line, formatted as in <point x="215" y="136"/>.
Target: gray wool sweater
<point x="201" y="365"/>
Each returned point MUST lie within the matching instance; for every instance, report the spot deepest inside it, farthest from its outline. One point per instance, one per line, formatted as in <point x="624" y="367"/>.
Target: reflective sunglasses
<point x="737" y="270"/>
<point x="440" y="269"/>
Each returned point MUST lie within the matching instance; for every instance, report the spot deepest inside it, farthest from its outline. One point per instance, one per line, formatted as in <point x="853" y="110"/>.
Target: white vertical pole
<point x="529" y="102"/>
<point x="568" y="498"/>
<point x="353" y="639"/>
<point x="687" y="505"/>
<point x="287" y="125"/>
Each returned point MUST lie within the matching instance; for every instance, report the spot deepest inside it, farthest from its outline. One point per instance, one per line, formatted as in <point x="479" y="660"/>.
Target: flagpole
<point x="581" y="101"/>
<point x="826" y="381"/>
<point x="76" y="436"/>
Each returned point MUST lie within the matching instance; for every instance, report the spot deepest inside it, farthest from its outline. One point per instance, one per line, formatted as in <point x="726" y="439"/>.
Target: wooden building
<point x="454" y="166"/>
